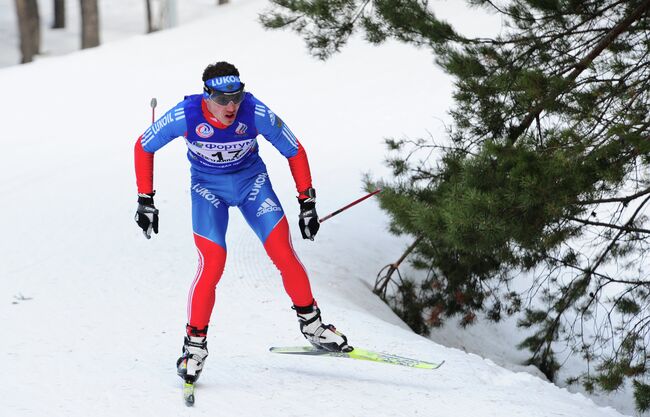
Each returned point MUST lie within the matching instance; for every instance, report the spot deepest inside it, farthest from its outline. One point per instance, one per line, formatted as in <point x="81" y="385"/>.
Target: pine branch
<point x="577" y="268"/>
<point x="608" y="225"/>
<point x="614" y="240"/>
<point x="571" y="293"/>
<point x="623" y="25"/>
<point x="635" y="283"/>
<point x="624" y="200"/>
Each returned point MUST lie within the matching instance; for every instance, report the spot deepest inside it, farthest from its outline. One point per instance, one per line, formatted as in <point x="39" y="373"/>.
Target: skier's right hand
<point x="147" y="214"/>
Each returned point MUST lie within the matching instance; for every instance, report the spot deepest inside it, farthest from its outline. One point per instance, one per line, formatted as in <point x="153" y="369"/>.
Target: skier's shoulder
<point x="178" y="111"/>
<point x="251" y="100"/>
<point x="264" y="117"/>
<point x="191" y="101"/>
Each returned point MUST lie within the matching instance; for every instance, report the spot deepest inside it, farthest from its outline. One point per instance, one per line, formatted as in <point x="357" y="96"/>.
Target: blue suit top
<point x="213" y="150"/>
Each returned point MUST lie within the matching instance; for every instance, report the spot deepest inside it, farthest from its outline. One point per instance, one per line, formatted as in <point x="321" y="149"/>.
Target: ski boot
<point x="195" y="351"/>
<point x="321" y="336"/>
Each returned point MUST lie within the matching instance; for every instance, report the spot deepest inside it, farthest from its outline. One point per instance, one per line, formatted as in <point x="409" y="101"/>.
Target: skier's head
<point x="223" y="91"/>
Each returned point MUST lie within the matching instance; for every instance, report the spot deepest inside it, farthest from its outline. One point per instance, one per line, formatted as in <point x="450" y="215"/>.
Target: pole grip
<point x="154" y="103"/>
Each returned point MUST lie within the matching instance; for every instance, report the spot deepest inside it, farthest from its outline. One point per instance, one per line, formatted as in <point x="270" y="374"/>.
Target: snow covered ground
<point x="92" y="314"/>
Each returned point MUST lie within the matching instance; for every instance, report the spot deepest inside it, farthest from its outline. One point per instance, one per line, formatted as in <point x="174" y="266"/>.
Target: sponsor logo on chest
<point x="227" y="146"/>
<point x="221" y="152"/>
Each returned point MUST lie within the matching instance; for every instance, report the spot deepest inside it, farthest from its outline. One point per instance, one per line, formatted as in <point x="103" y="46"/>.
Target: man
<point x="220" y="129"/>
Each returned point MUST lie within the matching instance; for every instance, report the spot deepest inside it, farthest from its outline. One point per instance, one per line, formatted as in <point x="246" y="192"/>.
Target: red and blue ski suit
<point x="226" y="170"/>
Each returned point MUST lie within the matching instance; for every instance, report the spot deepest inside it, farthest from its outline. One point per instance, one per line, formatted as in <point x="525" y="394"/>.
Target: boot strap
<point x="195" y="331"/>
<point x="307" y="322"/>
<point x="199" y="360"/>
<point x="201" y="345"/>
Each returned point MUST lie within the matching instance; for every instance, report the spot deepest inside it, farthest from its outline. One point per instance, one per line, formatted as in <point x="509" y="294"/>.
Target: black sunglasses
<point x="223" y="98"/>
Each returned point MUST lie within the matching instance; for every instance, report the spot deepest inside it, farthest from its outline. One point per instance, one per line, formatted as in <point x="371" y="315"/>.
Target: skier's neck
<point x="211" y="118"/>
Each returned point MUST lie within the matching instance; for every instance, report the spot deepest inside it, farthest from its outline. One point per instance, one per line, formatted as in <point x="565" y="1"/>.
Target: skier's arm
<point x="299" y="166"/>
<point x="170" y="126"/>
<point x="279" y="134"/>
<point x="282" y="138"/>
<point x="143" y="168"/>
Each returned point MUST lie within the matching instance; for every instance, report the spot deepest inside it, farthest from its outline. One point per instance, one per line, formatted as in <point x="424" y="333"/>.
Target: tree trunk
<point x="89" y="24"/>
<point x="59" y="14"/>
<point x="29" y="28"/>
<point x="35" y="24"/>
<point x="149" y="17"/>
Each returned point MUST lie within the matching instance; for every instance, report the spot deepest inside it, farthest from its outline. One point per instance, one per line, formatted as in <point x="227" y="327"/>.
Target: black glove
<point x="308" y="222"/>
<point x="147" y="214"/>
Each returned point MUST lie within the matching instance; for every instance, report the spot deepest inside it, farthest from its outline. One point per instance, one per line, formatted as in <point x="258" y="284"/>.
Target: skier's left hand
<point x="308" y="222"/>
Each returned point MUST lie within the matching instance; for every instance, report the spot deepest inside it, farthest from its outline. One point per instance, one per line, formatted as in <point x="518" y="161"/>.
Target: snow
<point x="92" y="314"/>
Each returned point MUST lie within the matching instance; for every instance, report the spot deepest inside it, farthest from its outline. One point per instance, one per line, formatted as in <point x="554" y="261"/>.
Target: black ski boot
<point x="195" y="351"/>
<point x="321" y="336"/>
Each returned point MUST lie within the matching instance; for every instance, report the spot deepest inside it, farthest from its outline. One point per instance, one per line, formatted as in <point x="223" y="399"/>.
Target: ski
<point x="360" y="354"/>
<point x="188" y="393"/>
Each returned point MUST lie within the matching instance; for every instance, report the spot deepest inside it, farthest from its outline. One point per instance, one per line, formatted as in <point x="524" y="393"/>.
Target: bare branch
<point x="611" y="226"/>
<point x="624" y="200"/>
<point x="579" y="68"/>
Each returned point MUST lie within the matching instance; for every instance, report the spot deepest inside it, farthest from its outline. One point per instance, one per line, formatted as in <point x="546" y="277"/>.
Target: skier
<point x="220" y="128"/>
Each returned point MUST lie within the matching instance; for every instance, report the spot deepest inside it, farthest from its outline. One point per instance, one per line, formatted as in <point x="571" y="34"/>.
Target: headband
<point x="225" y="83"/>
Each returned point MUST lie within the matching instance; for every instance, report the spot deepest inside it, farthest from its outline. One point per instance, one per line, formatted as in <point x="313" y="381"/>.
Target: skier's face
<point x="226" y="114"/>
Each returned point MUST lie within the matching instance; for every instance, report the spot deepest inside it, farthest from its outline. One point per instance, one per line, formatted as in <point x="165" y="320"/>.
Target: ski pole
<point x="322" y="219"/>
<point x="154" y="103"/>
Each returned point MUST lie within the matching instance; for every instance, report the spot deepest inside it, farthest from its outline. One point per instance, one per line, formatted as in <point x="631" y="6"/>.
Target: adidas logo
<point x="267" y="206"/>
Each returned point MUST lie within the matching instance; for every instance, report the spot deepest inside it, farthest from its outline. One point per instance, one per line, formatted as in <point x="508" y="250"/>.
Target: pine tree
<point x="544" y="172"/>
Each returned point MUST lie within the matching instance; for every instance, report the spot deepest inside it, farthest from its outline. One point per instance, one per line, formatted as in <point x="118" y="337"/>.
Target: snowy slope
<point x="92" y="314"/>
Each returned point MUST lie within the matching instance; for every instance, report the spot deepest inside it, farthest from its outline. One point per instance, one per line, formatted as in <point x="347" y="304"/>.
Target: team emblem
<point x="204" y="130"/>
<point x="241" y="129"/>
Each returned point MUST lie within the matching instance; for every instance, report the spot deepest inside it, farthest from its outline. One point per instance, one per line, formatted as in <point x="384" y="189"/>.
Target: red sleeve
<point x="143" y="169"/>
<point x="299" y="166"/>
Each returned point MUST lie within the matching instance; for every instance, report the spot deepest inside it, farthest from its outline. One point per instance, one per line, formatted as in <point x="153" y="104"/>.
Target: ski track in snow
<point x="100" y="322"/>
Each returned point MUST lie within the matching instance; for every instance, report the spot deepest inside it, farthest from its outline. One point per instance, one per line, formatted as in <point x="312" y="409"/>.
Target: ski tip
<point x="430" y="365"/>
